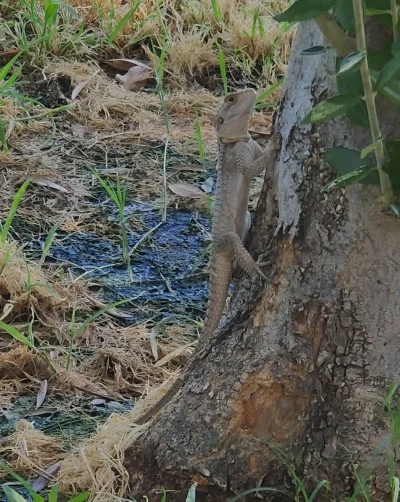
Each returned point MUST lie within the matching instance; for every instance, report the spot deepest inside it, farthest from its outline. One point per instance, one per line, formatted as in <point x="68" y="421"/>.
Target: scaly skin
<point x="240" y="160"/>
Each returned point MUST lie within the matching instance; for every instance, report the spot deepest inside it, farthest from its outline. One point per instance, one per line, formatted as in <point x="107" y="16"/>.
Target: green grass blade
<point x="102" y="311"/>
<point x="25" y="484"/>
<point x="322" y="484"/>
<point x="11" y="80"/>
<point x="265" y="94"/>
<point x="14" y="206"/>
<point x="6" y="68"/>
<point x="395" y="489"/>
<point x="222" y="68"/>
<point x="3" y="137"/>
<point x="123" y="22"/>
<point x="53" y="493"/>
<point x="81" y="497"/>
<point x="17" y="335"/>
<point x="48" y="243"/>
<point x="216" y="11"/>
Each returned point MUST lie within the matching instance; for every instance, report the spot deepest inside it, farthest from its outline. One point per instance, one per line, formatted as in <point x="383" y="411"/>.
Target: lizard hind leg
<point x="242" y="256"/>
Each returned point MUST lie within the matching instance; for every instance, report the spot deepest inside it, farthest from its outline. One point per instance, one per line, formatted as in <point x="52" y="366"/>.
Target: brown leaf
<point x="41" y="395"/>
<point x="186" y="190"/>
<point x="41" y="482"/>
<point x="135" y="78"/>
<point x="41" y="180"/>
<point x="77" y="89"/>
<point x="189" y="167"/>
<point x="124" y="64"/>
<point x="8" y="54"/>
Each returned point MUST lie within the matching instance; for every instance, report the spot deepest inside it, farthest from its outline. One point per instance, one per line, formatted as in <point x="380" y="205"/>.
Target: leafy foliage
<point x="302" y="10"/>
<point x="331" y="108"/>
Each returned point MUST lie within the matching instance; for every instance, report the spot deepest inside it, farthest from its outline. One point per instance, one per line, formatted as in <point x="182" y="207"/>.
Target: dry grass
<point x="105" y="119"/>
<point x="97" y="464"/>
<point x="24" y="289"/>
<point x="29" y="450"/>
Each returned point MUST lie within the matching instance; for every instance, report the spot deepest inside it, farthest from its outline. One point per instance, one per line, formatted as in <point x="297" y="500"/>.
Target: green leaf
<point x="350" y="179"/>
<point x="389" y="73"/>
<point x="344" y="15"/>
<point x="344" y="161"/>
<point x="392" y="166"/>
<point x="332" y="107"/>
<point x="351" y="62"/>
<point x="12" y="495"/>
<point x="395" y="49"/>
<point x="302" y="10"/>
<point x="390" y="91"/>
<point x="351" y="82"/>
<point x="311" y="51"/>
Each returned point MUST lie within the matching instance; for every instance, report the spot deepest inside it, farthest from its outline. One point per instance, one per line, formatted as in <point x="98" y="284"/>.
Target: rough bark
<point x="304" y="360"/>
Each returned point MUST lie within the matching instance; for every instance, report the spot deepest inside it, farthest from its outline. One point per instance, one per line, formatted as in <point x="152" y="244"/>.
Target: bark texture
<point x="304" y="360"/>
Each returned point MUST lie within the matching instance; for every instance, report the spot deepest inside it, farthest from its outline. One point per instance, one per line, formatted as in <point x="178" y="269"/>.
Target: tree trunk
<point x="304" y="360"/>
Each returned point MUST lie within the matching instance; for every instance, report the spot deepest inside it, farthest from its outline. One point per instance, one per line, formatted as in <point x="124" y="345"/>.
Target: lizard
<point x="240" y="160"/>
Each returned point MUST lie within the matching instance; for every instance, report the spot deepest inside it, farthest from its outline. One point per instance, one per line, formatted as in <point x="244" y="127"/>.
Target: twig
<point x="339" y="39"/>
<point x="369" y="97"/>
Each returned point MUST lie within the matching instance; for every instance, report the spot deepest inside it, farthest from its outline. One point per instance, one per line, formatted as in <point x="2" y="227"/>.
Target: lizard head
<point x="232" y="120"/>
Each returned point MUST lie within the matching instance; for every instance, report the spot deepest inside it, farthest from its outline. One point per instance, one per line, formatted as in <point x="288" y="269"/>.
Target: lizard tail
<point x="220" y="277"/>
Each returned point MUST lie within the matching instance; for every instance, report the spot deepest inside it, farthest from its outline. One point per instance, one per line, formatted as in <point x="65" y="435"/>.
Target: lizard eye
<point x="220" y="121"/>
<point x="231" y="99"/>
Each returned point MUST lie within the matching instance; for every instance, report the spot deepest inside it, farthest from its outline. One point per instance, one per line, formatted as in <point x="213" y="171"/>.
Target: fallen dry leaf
<point x="41" y="180"/>
<point x="186" y="190"/>
<point x="41" y="482"/>
<point x="135" y="78"/>
<point x="39" y="412"/>
<point x="8" y="307"/>
<point x="41" y="395"/>
<point x="8" y="54"/>
<point x="124" y="64"/>
<point x="175" y="353"/>
<point x="207" y="186"/>
<point x="77" y="89"/>
<point x="153" y="343"/>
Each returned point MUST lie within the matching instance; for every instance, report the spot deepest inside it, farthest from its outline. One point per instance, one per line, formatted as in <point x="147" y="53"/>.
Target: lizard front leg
<point x="242" y="257"/>
<point x="251" y="168"/>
